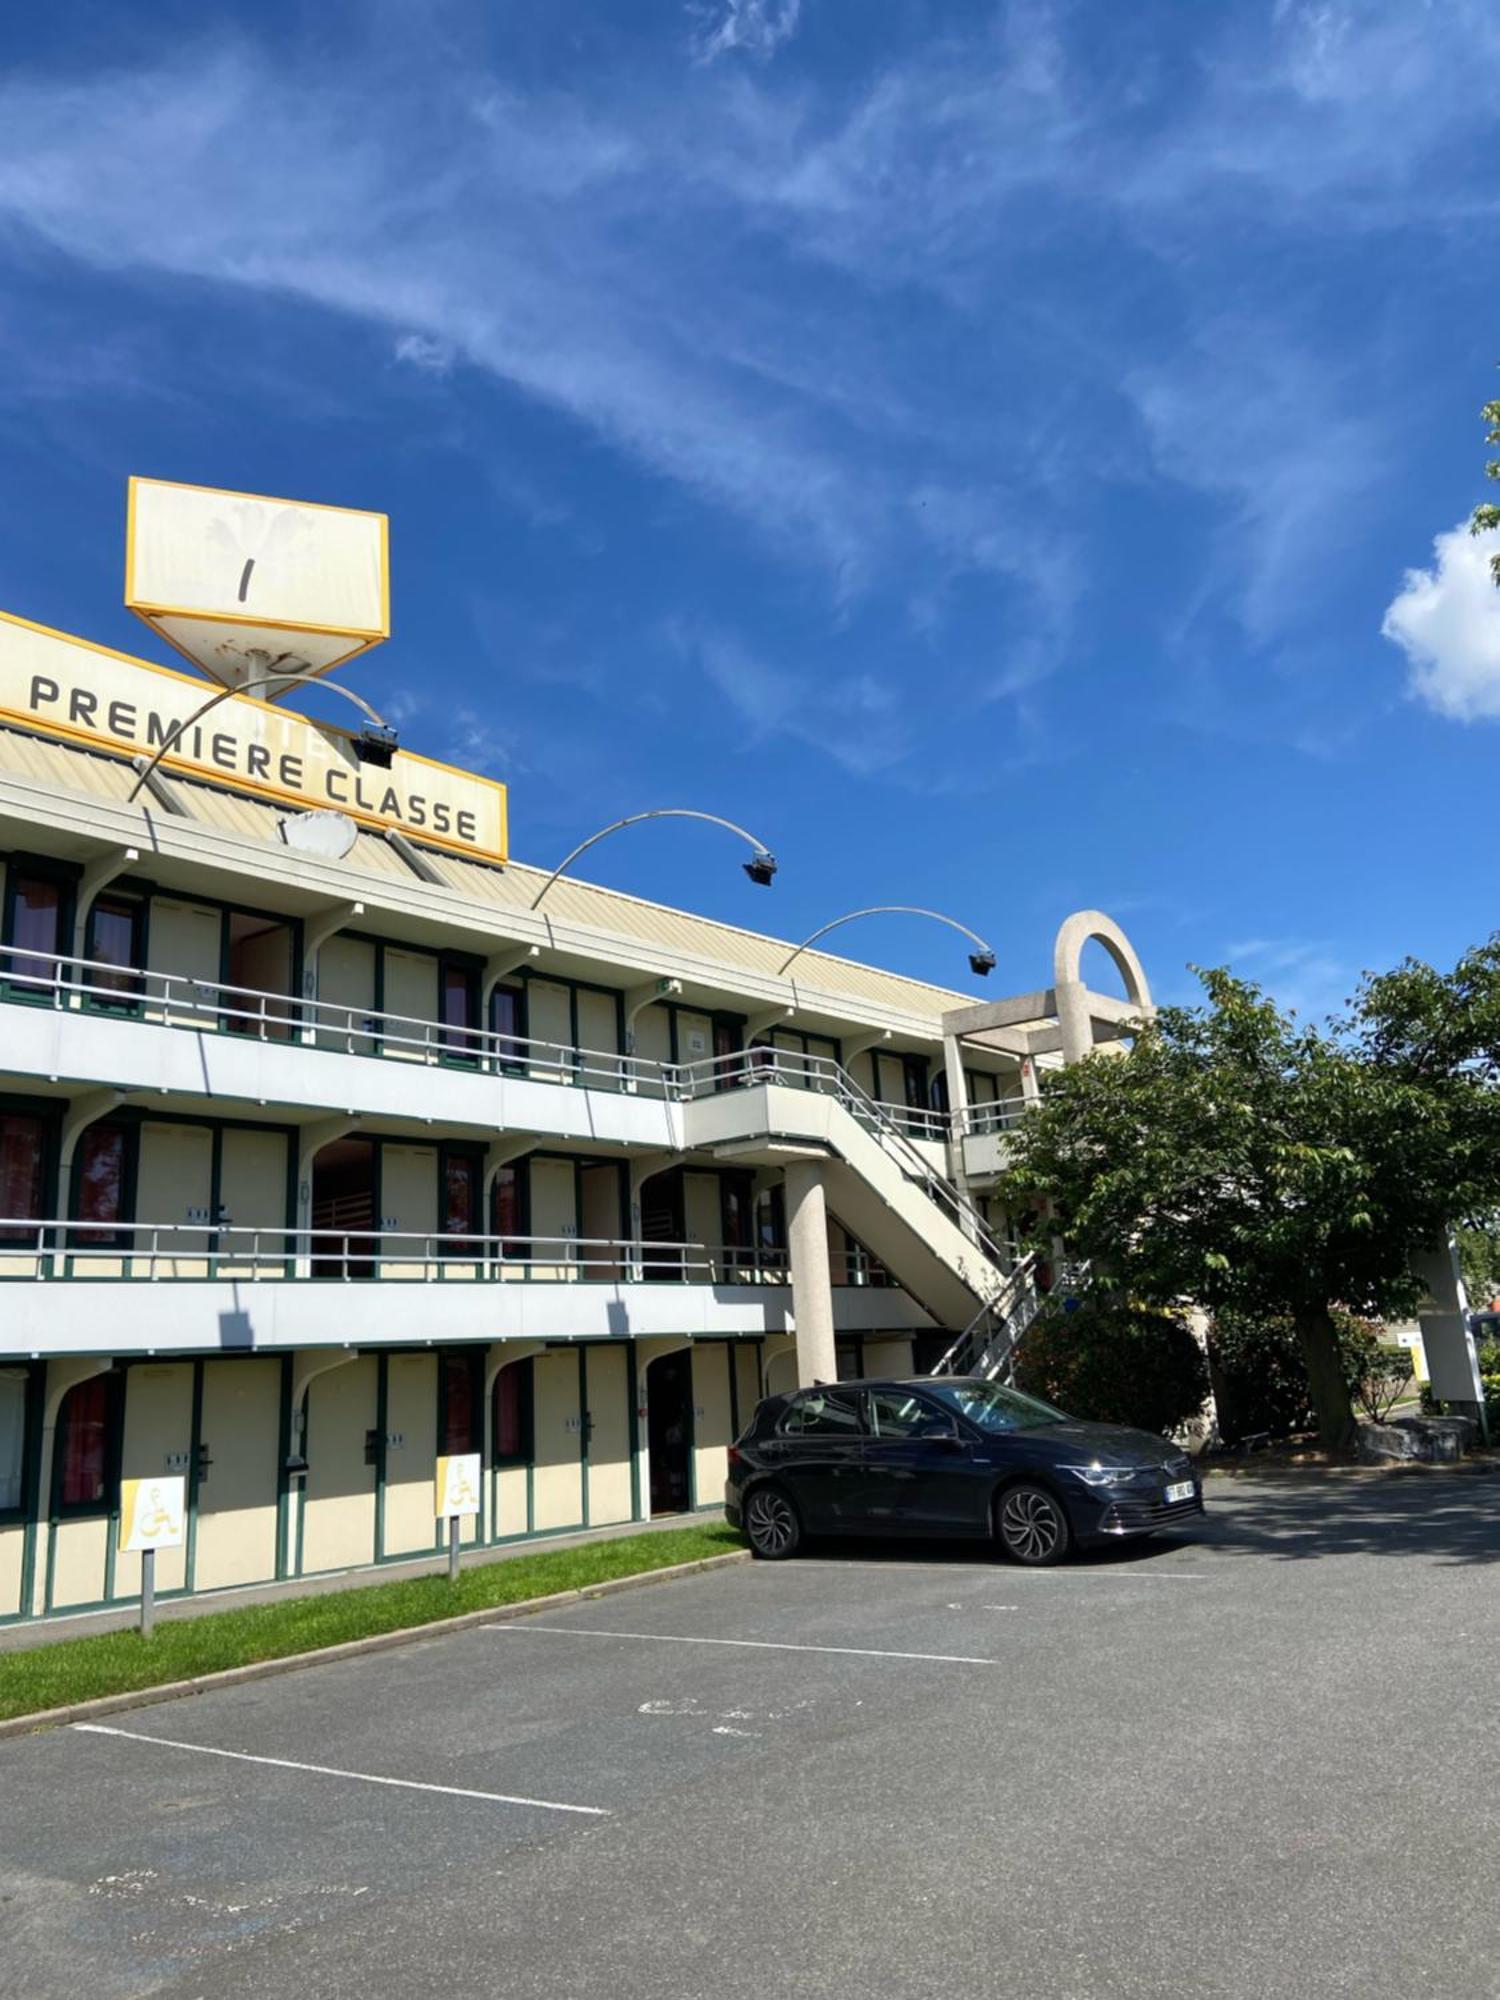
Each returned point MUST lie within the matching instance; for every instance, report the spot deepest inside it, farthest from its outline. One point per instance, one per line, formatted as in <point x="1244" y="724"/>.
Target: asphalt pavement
<point x="1257" y="1761"/>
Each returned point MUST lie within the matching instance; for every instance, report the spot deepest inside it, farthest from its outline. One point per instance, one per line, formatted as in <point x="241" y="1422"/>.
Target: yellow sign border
<point x="212" y="775"/>
<point x="148" y="612"/>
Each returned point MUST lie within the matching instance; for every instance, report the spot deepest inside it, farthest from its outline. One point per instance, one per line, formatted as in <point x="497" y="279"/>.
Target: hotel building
<point x="329" y="1143"/>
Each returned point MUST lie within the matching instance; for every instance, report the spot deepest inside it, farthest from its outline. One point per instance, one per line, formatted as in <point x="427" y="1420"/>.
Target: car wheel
<point x="772" y="1526"/>
<point x="1031" y="1525"/>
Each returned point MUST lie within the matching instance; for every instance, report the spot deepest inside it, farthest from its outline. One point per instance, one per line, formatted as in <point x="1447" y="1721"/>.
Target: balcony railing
<point x="172" y="999"/>
<point x="159" y="1251"/>
<point x="1002" y="1114"/>
<point x="156" y="1251"/>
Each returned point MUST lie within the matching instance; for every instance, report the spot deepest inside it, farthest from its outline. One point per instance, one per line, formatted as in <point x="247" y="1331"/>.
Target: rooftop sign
<point x="247" y="587"/>
<point x="90" y="695"/>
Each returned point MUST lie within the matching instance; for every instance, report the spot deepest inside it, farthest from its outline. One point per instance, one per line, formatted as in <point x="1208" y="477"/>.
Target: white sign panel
<point x="456" y="1488"/>
<point x="152" y="1513"/>
<point x="65" y="687"/>
<point x="243" y="584"/>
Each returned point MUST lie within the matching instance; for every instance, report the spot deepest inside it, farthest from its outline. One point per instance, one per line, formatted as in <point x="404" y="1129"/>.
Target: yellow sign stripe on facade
<point x="66" y="687"/>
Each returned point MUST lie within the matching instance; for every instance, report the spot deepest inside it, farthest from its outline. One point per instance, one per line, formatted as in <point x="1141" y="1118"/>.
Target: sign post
<point x="151" y="1518"/>
<point x="455" y="1497"/>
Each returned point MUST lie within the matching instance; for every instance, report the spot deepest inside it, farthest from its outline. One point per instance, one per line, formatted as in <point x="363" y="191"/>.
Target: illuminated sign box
<point x="68" y="688"/>
<point x="252" y="589"/>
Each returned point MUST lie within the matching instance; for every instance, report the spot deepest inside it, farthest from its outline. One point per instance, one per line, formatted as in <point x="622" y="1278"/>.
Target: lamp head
<point x="376" y="744"/>
<point x="982" y="962"/>
<point x="761" y="867"/>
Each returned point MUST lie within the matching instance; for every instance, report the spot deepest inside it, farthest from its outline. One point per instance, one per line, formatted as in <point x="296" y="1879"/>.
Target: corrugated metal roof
<point x="63" y="767"/>
<point x="575" y="902"/>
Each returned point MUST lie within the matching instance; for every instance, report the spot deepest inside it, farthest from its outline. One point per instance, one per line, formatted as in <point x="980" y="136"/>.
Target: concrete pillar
<point x="812" y="1291"/>
<point x="1075" y="1020"/>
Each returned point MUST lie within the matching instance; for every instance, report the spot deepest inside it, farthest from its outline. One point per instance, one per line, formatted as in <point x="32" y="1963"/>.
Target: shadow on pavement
<point x="1447" y="1517"/>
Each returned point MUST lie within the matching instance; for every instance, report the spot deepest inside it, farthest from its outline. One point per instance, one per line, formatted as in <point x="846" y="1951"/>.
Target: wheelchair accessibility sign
<point x="456" y="1488"/>
<point x="151" y="1514"/>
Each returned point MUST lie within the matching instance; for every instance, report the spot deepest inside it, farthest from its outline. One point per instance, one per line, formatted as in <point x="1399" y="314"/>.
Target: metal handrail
<point x="265" y="1250"/>
<point x="764" y="1065"/>
<point x="70" y="981"/>
<point x="67" y="982"/>
<point x="1001" y="1114"/>
<point x="538" y="1259"/>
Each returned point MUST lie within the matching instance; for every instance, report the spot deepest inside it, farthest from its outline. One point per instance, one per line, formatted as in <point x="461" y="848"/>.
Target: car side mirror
<point x="951" y="1439"/>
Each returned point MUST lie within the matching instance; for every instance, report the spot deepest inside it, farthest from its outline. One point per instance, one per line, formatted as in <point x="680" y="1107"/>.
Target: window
<point x="85" y="1437"/>
<point x="99" y="1180"/>
<point x="23" y="1173"/>
<point x="14" y="1384"/>
<point x="822" y="1413"/>
<point x="508" y="1024"/>
<point x="115" y="945"/>
<point x="458" y="1410"/>
<point x="513" y="1415"/>
<point x="36" y="927"/>
<point x="458" y="1001"/>
<point x="736" y="1203"/>
<point x="507" y="1212"/>
<point x="461" y="1184"/>
<point x="894" y="1413"/>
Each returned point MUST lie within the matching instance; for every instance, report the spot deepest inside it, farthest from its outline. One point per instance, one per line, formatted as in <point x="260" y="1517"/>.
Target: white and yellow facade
<point x="323" y="1154"/>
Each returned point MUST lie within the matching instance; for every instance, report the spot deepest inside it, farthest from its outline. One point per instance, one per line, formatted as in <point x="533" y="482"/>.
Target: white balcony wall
<point x="69" y="1316"/>
<point x="62" y="1044"/>
<point x="986" y="1154"/>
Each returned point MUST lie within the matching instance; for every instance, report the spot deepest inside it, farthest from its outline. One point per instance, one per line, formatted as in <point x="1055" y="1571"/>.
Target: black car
<point x="949" y="1456"/>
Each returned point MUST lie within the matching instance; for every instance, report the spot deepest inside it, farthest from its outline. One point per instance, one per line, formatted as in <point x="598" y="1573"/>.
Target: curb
<point x="347" y="1649"/>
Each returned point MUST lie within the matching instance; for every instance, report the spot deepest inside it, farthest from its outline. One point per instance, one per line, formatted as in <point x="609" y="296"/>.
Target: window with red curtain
<point x="508" y="1023"/>
<point x="100" y="1167"/>
<point x="512" y="1414"/>
<point x="23" y="1165"/>
<point x="35" y="930"/>
<point x="506" y="1212"/>
<point x="461" y="1180"/>
<point x="460" y="1404"/>
<point x="83" y="1424"/>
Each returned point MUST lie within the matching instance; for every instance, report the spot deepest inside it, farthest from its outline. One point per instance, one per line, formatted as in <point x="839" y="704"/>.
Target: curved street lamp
<point x="761" y="867"/>
<point x="372" y="746"/>
<point x="982" y="961"/>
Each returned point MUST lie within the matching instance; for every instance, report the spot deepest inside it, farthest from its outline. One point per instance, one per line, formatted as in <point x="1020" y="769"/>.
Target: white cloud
<point x="1447" y="621"/>
<point x="1302" y="975"/>
<point x="755" y="27"/>
<point x="425" y="353"/>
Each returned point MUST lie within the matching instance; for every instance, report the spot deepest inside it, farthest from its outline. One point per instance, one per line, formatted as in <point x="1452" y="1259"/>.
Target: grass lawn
<point x="118" y="1662"/>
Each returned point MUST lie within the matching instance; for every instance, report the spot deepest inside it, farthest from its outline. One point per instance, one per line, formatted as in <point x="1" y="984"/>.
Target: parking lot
<point x="1259" y="1760"/>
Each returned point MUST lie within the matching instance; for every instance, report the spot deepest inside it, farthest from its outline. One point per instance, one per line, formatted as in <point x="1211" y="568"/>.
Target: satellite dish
<point x="329" y="835"/>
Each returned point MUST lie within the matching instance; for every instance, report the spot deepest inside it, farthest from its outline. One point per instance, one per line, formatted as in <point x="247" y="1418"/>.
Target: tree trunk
<point x="1325" y="1378"/>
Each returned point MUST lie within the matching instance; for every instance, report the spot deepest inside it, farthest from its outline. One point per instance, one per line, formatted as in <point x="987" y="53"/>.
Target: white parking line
<point x="331" y="1771"/>
<point x="759" y="1645"/>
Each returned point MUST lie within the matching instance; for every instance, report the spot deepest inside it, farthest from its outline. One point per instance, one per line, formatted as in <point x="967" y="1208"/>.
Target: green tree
<point x="1479" y="1253"/>
<point x="1487" y="515"/>
<point x="1248" y="1164"/>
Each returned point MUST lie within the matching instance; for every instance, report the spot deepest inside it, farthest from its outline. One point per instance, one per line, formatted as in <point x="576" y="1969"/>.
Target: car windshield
<point x="994" y="1408"/>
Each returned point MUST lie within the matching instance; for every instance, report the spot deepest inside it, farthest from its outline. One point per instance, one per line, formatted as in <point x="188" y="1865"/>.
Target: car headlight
<point x="1101" y="1475"/>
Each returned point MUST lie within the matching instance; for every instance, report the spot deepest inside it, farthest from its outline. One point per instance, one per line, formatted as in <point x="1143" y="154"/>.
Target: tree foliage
<point x="1114" y="1363"/>
<point x="1251" y="1165"/>
<point x="1479" y="1255"/>
<point x="1487" y="515"/>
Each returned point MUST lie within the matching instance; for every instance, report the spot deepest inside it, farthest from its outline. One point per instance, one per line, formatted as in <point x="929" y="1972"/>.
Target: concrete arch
<point x="1090" y="926"/>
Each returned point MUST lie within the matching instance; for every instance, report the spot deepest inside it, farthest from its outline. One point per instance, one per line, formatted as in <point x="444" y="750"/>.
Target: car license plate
<point x="1183" y="1490"/>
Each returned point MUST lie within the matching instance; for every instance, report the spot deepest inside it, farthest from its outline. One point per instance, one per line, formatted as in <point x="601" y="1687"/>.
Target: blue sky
<point x="1009" y="456"/>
